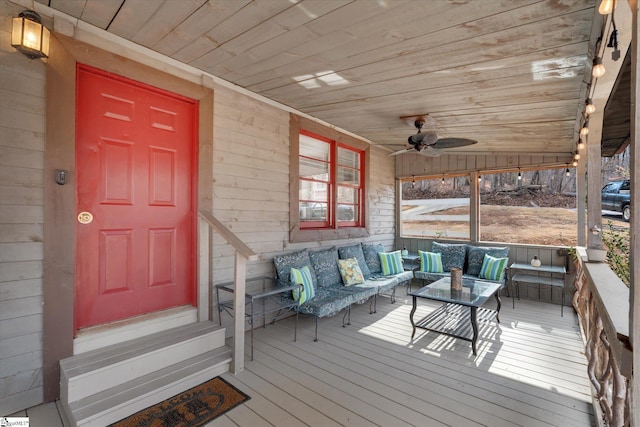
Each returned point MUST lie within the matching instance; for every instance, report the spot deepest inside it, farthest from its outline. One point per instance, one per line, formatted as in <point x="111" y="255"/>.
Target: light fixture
<point x="589" y="108"/>
<point x="413" y="182"/>
<point x="575" y="163"/>
<point x="479" y="178"/>
<point x="443" y="179"/>
<point x="598" y="69"/>
<point x="29" y="36"/>
<point x="576" y="155"/>
<point x="519" y="175"/>
<point x="580" y="144"/>
<point x="567" y="172"/>
<point x="585" y="129"/>
<point x="606" y="7"/>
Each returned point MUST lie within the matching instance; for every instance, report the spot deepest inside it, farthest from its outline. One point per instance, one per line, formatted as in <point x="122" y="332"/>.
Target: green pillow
<point x="350" y="271"/>
<point x="302" y="277"/>
<point x="493" y="268"/>
<point x="430" y="262"/>
<point x="391" y="263"/>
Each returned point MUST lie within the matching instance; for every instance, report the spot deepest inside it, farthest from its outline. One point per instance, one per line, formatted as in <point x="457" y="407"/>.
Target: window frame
<point x="334" y="231"/>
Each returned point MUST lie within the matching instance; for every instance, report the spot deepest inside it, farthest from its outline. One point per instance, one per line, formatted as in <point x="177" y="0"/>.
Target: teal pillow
<point x="302" y="277"/>
<point x="430" y="262"/>
<point x="391" y="263"/>
<point x="493" y="268"/>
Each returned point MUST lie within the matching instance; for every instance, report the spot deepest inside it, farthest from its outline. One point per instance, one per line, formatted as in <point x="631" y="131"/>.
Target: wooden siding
<point x="22" y="144"/>
<point x="408" y="165"/>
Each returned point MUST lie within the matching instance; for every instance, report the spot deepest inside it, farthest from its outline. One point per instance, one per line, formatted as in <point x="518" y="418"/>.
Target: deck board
<point x="530" y="371"/>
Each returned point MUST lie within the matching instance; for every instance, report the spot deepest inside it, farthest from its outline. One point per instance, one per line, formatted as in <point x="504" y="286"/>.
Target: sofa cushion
<point x="302" y="277"/>
<point x="453" y="255"/>
<point x="355" y="251"/>
<point x="493" y="268"/>
<point x="325" y="264"/>
<point x="328" y="302"/>
<point x="371" y="257"/>
<point x="284" y="264"/>
<point x="475" y="257"/>
<point x="391" y="262"/>
<point x="350" y="271"/>
<point x="430" y="262"/>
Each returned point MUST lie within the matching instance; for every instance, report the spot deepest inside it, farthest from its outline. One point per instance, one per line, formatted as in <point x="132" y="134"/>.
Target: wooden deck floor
<point x="530" y="371"/>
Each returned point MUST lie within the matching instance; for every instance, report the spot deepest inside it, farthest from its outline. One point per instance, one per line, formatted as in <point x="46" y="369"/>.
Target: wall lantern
<point x="29" y="36"/>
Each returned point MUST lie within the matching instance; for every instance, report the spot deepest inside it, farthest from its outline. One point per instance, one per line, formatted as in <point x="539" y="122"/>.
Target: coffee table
<point x="452" y="318"/>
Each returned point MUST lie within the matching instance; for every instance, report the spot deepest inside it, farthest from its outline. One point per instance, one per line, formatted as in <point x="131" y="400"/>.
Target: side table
<point x="553" y="275"/>
<point x="411" y="263"/>
<point x="262" y="296"/>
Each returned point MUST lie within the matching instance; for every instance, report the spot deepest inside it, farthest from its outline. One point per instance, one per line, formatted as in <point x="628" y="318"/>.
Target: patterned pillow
<point x="355" y="251"/>
<point x="493" y="268"/>
<point x="452" y="255"/>
<point x="326" y="268"/>
<point x="430" y="262"/>
<point x="391" y="263"/>
<point x="475" y="257"/>
<point x="350" y="271"/>
<point x="298" y="259"/>
<point x="371" y="257"/>
<point x="302" y="277"/>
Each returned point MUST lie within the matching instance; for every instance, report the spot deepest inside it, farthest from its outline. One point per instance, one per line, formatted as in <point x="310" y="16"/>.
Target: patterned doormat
<point x="193" y="408"/>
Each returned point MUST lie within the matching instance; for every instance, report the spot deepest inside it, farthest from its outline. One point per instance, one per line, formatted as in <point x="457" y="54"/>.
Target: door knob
<point x="85" y="217"/>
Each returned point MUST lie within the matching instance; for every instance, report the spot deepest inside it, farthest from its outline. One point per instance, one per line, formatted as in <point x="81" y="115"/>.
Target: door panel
<point x="135" y="164"/>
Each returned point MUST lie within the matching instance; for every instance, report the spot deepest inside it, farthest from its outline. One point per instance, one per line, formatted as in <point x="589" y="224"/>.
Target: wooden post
<point x="474" y="208"/>
<point x="581" y="199"/>
<point x="240" y="276"/>
<point x="594" y="180"/>
<point x="634" y="244"/>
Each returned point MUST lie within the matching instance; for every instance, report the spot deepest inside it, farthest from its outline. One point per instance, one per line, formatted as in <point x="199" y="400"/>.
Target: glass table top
<point x="474" y="292"/>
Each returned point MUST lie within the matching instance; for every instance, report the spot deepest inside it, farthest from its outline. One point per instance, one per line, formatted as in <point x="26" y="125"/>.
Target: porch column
<point x="474" y="208"/>
<point x="634" y="244"/>
<point x="594" y="179"/>
<point x="581" y="199"/>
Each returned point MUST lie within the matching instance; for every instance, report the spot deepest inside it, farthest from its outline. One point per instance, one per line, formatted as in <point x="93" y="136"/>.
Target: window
<point x="436" y="208"/>
<point x="328" y="183"/>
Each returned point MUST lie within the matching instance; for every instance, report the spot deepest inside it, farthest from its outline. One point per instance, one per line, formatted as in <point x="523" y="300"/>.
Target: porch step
<point x="102" y="386"/>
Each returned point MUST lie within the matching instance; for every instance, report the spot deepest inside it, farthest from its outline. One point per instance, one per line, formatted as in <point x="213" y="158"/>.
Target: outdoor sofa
<point x="470" y="259"/>
<point x="330" y="294"/>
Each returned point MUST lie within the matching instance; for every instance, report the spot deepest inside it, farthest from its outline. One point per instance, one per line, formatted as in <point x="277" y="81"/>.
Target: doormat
<point x="193" y="408"/>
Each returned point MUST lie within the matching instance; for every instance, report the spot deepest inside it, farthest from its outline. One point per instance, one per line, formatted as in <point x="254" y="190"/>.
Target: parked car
<point x="616" y="196"/>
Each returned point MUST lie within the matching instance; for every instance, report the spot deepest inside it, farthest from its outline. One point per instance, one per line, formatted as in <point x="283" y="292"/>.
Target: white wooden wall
<point x="22" y="143"/>
<point x="251" y="184"/>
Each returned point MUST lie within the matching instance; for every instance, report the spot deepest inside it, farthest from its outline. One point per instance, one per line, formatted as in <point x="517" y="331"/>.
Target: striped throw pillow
<point x="302" y="277"/>
<point x="430" y="262"/>
<point x="391" y="263"/>
<point x="493" y="268"/>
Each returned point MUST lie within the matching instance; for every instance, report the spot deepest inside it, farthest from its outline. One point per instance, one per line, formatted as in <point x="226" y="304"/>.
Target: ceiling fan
<point x="428" y="144"/>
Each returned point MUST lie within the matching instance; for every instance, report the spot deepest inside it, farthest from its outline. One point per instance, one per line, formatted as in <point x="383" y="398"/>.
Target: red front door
<point x="135" y="164"/>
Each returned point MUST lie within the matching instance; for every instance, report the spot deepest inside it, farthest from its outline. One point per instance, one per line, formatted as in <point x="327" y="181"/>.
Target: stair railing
<point x="242" y="254"/>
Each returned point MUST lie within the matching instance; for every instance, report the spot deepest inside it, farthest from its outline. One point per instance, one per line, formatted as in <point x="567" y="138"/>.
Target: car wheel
<point x="626" y="213"/>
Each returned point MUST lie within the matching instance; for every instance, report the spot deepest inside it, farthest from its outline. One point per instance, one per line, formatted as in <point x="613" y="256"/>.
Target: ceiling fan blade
<point x="431" y="152"/>
<point x="406" y="150"/>
<point x="453" y="143"/>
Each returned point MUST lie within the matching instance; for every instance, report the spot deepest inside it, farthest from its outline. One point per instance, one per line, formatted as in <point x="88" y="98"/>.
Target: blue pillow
<point x="453" y="255"/>
<point x="302" y="277"/>
<point x="371" y="257"/>
<point x="391" y="263"/>
<point x="430" y="262"/>
<point x="475" y="257"/>
<point x="493" y="268"/>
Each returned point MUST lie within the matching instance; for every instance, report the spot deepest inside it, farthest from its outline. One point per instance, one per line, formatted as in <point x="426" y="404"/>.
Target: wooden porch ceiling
<point x="510" y="74"/>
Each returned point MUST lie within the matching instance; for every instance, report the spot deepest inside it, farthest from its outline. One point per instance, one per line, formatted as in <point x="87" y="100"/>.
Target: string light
<point x="413" y="182"/>
<point x="443" y="179"/>
<point x="575" y="163"/>
<point x="585" y="129"/>
<point x="580" y="144"/>
<point x="519" y="175"/>
<point x="598" y="69"/>
<point x="567" y="172"/>
<point x="606" y="7"/>
<point x="576" y="155"/>
<point x="590" y="108"/>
